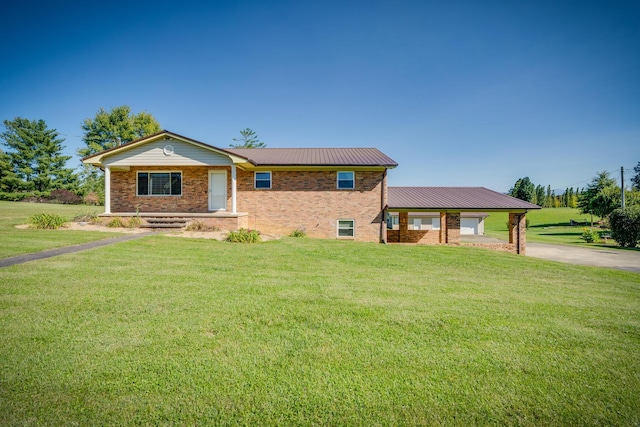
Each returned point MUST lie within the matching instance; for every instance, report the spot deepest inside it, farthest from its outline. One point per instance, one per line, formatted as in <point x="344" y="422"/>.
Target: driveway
<point x="628" y="260"/>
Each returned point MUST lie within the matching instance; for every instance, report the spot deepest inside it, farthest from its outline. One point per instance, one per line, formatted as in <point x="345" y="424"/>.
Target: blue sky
<point x="458" y="93"/>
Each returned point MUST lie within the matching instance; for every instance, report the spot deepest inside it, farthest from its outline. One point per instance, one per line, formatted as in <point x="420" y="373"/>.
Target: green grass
<point x="23" y="241"/>
<point x="546" y="226"/>
<point x="170" y="331"/>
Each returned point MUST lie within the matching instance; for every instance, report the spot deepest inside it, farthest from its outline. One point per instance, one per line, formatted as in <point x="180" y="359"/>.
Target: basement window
<point x="346" y="228"/>
<point x="346" y="181"/>
<point x="159" y="184"/>
<point x="263" y="179"/>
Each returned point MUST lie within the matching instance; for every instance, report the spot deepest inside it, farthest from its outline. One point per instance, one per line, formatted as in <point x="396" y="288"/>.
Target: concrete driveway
<point x="601" y="257"/>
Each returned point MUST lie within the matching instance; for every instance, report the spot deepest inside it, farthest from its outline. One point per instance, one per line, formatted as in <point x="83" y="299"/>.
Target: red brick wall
<point x="310" y="200"/>
<point x="195" y="187"/>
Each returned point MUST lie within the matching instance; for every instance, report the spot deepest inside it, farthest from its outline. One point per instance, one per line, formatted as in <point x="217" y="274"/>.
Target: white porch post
<point x="233" y="188"/>
<point x="107" y="190"/>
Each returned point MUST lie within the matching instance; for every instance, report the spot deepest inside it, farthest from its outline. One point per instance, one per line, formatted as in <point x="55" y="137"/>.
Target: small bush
<point x="86" y="217"/>
<point x="134" y="222"/>
<point x="244" y="236"/>
<point x="92" y="199"/>
<point x="625" y="226"/>
<point x="200" y="226"/>
<point x="65" y="197"/>
<point x="46" y="221"/>
<point x="115" y="222"/>
<point x="590" y="235"/>
<point x="298" y="232"/>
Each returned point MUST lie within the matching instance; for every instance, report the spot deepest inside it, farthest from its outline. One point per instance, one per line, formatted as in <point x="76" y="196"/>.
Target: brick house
<point x="329" y="192"/>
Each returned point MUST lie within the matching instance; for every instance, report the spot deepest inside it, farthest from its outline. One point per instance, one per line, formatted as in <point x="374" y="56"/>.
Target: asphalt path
<point x="20" y="259"/>
<point x="620" y="259"/>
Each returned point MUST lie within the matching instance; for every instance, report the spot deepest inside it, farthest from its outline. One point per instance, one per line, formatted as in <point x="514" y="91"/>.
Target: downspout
<point x="383" y="208"/>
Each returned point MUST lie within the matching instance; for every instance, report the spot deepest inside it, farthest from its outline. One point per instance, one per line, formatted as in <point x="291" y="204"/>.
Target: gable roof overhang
<point x="97" y="159"/>
<point x="453" y="199"/>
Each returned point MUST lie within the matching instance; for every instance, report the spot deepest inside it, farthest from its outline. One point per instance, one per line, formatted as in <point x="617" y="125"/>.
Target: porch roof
<point x="453" y="198"/>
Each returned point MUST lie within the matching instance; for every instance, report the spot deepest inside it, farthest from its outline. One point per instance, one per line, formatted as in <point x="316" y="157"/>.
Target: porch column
<point x="443" y="227"/>
<point x="233" y="188"/>
<point x="517" y="229"/>
<point x="107" y="190"/>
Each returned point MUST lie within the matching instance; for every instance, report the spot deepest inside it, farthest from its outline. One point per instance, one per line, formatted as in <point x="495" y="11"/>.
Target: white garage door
<point x="469" y="226"/>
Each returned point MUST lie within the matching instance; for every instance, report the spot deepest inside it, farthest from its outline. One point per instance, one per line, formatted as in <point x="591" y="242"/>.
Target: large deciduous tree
<point x="523" y="189"/>
<point x="35" y="158"/>
<point x="109" y="129"/>
<point x="601" y="197"/>
<point x="115" y="127"/>
<point x="248" y="139"/>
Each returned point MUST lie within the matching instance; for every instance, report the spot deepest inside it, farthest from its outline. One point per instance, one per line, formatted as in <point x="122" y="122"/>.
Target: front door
<point x="217" y="190"/>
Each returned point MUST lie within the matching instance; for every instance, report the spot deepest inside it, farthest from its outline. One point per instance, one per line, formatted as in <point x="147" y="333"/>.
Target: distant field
<point x="545" y="226"/>
<point x="24" y="241"/>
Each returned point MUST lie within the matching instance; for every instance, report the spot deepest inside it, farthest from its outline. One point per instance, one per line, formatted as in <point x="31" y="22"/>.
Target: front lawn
<point x="23" y="241"/>
<point x="173" y="331"/>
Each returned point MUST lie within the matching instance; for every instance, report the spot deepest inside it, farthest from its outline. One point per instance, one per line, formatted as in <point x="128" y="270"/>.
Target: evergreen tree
<point x="540" y="196"/>
<point x="36" y="158"/>
<point x="548" y="203"/>
<point x="601" y="196"/>
<point x="635" y="181"/>
<point x="248" y="139"/>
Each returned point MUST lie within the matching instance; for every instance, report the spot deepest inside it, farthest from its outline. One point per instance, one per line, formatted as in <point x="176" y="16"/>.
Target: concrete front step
<point x="165" y="222"/>
<point x="165" y="225"/>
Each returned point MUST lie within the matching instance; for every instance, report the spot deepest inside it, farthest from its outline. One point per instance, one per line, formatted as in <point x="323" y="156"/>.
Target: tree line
<point x="544" y="197"/>
<point x="32" y="165"/>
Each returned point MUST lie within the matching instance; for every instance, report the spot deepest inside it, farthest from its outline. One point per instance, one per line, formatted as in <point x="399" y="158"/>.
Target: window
<point x="159" y="184"/>
<point x="346" y="228"/>
<point x="346" y="181"/>
<point x="263" y="179"/>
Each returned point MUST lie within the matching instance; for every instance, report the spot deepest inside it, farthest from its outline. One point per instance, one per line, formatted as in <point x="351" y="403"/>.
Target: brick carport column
<point x="517" y="229"/>
<point x="453" y="227"/>
<point x="403" y="226"/>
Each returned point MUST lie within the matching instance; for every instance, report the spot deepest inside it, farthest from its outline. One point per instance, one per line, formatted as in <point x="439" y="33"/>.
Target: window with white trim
<point x="346" y="228"/>
<point x="346" y="180"/>
<point x="262" y="179"/>
<point x="159" y="184"/>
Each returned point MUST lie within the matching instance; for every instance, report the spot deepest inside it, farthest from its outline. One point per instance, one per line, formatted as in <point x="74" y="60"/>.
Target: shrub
<point x="590" y="235"/>
<point x="45" y="220"/>
<point x="244" y="236"/>
<point x="65" y="197"/>
<point x="200" y="226"/>
<point x="115" y="222"/>
<point x="298" y="232"/>
<point x="134" y="222"/>
<point x="92" y="199"/>
<point x="625" y="226"/>
<point x="86" y="217"/>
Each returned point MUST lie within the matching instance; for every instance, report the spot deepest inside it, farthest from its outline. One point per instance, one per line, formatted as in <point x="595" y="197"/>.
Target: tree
<point x="109" y="129"/>
<point x="249" y="139"/>
<point x="635" y="181"/>
<point x="36" y="160"/>
<point x="540" y="196"/>
<point x="625" y="226"/>
<point x="523" y="189"/>
<point x="601" y="197"/>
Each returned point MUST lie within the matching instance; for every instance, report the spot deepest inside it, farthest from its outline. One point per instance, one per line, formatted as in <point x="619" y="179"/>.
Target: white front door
<point x="217" y="190"/>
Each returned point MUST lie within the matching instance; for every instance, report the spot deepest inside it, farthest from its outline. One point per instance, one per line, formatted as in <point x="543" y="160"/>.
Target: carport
<point x="450" y="203"/>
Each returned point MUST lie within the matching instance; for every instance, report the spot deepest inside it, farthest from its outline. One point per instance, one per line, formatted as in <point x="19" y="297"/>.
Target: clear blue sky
<point x="474" y="93"/>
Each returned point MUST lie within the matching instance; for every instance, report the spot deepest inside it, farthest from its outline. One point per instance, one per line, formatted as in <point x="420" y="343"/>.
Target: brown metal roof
<point x="315" y="156"/>
<point x="479" y="198"/>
